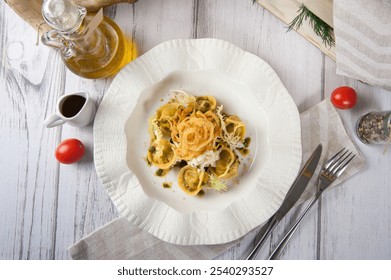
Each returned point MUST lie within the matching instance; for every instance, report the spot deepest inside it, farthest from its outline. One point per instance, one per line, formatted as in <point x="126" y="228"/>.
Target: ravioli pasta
<point x="194" y="134"/>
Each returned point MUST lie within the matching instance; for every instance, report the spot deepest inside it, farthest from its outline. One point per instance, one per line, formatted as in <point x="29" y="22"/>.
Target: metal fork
<point x="330" y="171"/>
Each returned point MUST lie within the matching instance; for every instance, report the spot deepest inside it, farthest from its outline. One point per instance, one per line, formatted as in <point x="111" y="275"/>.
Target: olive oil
<point x="92" y="46"/>
<point x="108" y="57"/>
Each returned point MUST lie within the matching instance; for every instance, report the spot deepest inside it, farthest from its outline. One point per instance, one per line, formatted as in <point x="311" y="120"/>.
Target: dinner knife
<point x="291" y="198"/>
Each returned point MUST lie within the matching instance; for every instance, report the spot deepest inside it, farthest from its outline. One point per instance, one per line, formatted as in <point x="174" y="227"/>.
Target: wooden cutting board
<point x="286" y="10"/>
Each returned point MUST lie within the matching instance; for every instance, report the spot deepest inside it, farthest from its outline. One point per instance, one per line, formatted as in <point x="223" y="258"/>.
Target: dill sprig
<point x="321" y="28"/>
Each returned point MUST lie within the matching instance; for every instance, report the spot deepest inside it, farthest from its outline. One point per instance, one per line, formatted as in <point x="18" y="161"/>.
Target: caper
<point x="180" y="164"/>
<point x="247" y="142"/>
<point x="201" y="193"/>
<point x="230" y="127"/>
<point x="148" y="162"/>
<point x="244" y="151"/>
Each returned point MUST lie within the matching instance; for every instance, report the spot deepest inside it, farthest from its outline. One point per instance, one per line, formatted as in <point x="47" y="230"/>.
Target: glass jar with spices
<point x="374" y="128"/>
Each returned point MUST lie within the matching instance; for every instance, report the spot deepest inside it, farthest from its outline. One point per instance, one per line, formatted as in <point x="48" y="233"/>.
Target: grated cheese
<point x="208" y="158"/>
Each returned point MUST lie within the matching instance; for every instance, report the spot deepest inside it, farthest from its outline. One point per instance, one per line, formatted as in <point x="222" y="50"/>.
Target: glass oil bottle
<point x="88" y="51"/>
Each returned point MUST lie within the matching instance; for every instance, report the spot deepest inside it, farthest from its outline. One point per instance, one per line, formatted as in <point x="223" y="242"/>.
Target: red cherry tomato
<point x="70" y="151"/>
<point x="344" y="97"/>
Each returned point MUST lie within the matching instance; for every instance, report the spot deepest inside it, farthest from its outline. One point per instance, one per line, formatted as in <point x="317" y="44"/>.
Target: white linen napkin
<point x="363" y="40"/>
<point x="121" y="240"/>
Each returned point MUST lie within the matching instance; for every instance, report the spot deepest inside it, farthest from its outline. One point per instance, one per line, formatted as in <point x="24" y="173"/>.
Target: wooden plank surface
<point x="356" y="219"/>
<point x="30" y="79"/>
<point x="46" y="207"/>
<point x="30" y="11"/>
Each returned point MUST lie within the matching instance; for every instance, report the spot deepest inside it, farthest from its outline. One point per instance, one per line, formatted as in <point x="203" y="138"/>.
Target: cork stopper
<point x="63" y="15"/>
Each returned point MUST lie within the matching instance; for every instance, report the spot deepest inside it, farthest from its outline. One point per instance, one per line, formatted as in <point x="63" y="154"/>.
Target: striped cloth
<point x="121" y="240"/>
<point x="363" y="40"/>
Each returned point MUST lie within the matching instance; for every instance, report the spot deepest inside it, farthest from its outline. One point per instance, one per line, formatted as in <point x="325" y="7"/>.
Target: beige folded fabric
<point x="121" y="240"/>
<point x="363" y="40"/>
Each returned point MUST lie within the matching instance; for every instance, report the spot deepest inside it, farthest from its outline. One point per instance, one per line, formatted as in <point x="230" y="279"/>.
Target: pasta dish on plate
<point x="195" y="135"/>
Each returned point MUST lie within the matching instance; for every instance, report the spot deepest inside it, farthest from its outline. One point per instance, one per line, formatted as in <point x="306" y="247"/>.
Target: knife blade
<point x="293" y="195"/>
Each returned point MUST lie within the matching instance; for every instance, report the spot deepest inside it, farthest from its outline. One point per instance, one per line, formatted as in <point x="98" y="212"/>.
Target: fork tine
<point x="333" y="159"/>
<point x="338" y="161"/>
<point x="343" y="166"/>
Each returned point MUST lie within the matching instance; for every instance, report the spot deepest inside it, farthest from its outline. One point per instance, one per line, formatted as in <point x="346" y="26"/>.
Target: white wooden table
<point x="45" y="207"/>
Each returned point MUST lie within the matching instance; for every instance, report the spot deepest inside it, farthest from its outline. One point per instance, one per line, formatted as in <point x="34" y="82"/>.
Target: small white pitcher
<point x="76" y="109"/>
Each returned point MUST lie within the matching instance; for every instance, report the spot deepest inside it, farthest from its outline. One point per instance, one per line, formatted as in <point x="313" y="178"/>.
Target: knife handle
<point x="280" y="247"/>
<point x="271" y="226"/>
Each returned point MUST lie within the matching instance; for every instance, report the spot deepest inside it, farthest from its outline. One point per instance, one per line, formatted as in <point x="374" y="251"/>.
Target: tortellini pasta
<point x="165" y="117"/>
<point x="206" y="103"/>
<point x="194" y="133"/>
<point x="161" y="154"/>
<point x="235" y="126"/>
<point x="191" y="180"/>
<point x="227" y="165"/>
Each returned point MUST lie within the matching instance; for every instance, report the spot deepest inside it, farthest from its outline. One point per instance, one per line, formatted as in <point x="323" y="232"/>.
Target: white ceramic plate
<point x="247" y="87"/>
